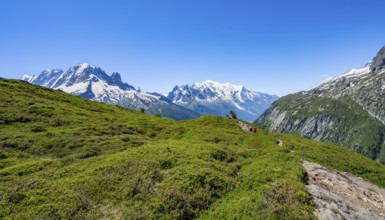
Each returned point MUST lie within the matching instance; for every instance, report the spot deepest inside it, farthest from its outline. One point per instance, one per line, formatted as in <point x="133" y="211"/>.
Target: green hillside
<point x="347" y="110"/>
<point x="62" y="156"/>
<point x="341" y="121"/>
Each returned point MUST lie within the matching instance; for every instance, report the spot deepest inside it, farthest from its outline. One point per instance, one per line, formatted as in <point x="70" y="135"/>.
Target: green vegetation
<point x="66" y="157"/>
<point x="354" y="127"/>
<point x="233" y="115"/>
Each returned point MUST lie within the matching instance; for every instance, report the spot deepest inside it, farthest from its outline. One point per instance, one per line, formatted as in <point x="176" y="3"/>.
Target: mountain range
<point x="93" y="83"/>
<point x="347" y="110"/>
<point x="215" y="98"/>
<point x="184" y="102"/>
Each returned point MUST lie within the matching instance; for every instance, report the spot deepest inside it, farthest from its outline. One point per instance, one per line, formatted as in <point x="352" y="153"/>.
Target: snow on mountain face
<point x="79" y="80"/>
<point x="353" y="74"/>
<point x="47" y="78"/>
<point x="211" y="97"/>
<point x="28" y="78"/>
<point x="93" y="83"/>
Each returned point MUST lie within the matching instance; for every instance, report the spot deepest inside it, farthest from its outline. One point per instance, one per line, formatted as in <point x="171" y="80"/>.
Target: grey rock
<point x="246" y="128"/>
<point x="343" y="195"/>
<point x="378" y="61"/>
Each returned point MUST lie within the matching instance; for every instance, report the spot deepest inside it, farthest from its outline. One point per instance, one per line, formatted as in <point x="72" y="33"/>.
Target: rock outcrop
<point x="246" y="128"/>
<point x="343" y="195"/>
<point x="379" y="61"/>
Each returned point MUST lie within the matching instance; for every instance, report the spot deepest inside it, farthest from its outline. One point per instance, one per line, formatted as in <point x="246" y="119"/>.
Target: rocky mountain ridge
<point x="93" y="83"/>
<point x="183" y="102"/>
<point x="211" y="97"/>
<point x="347" y="110"/>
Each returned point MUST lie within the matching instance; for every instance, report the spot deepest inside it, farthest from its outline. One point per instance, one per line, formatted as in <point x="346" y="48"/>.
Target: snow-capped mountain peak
<point x="210" y="97"/>
<point x="218" y="85"/>
<point x="93" y="83"/>
<point x="224" y="88"/>
<point x="82" y="66"/>
<point x="28" y="78"/>
<point x="225" y="91"/>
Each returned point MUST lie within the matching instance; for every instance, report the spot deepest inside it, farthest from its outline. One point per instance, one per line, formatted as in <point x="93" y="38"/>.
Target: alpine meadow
<point x="66" y="157"/>
<point x="184" y="110"/>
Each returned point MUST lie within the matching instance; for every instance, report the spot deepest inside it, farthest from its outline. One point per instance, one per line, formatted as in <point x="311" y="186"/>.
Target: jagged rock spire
<point x="378" y="62"/>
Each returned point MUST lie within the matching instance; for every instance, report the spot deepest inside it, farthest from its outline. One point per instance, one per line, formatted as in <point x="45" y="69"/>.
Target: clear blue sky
<point x="273" y="46"/>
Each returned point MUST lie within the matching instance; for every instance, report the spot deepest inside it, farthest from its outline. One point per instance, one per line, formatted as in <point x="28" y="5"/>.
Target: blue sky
<point x="273" y="46"/>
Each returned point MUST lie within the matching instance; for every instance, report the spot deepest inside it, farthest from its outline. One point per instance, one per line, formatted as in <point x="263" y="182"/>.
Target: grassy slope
<point x="63" y="156"/>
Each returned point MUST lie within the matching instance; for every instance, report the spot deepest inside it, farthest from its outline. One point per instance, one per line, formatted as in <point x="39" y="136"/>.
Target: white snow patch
<point x="99" y="88"/>
<point x="353" y="73"/>
<point x="76" y="88"/>
<point x="226" y="91"/>
<point x="82" y="67"/>
<point x="357" y="72"/>
<point x="28" y="78"/>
